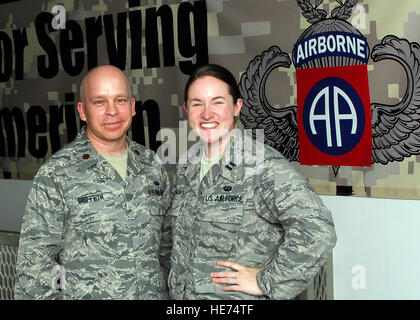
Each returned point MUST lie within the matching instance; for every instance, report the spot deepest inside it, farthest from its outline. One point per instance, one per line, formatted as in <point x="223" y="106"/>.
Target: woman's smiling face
<point x="211" y="110"/>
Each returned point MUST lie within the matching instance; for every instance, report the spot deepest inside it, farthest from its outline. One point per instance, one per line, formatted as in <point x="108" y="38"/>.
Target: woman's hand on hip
<point x="243" y="279"/>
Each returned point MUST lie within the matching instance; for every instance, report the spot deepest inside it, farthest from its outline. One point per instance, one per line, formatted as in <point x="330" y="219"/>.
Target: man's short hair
<point x="82" y="84"/>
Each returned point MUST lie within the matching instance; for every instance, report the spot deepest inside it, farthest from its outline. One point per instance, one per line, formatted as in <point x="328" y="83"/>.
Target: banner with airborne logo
<point x="333" y="104"/>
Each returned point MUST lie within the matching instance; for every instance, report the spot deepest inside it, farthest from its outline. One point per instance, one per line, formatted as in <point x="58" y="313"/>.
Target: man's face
<point x="211" y="110"/>
<point x="107" y="107"/>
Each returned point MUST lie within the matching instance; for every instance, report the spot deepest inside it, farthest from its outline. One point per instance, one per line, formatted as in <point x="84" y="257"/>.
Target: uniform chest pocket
<point x="223" y="206"/>
<point x="97" y="235"/>
<point x="149" y="221"/>
<point x="93" y="208"/>
<point x="147" y="232"/>
<point x="147" y="207"/>
<point x="219" y="225"/>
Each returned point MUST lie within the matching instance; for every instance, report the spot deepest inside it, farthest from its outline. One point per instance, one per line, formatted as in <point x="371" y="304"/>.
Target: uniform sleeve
<point x="40" y="242"/>
<point x="287" y="199"/>
<point x="166" y="238"/>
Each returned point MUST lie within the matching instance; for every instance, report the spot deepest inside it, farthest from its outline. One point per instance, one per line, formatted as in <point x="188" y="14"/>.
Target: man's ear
<point x="133" y="106"/>
<point x="184" y="105"/>
<point x="81" y="109"/>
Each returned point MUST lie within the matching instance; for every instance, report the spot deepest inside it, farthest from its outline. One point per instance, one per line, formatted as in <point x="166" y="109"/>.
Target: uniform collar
<point x="85" y="151"/>
<point x="136" y="158"/>
<point x="189" y="165"/>
<point x="229" y="166"/>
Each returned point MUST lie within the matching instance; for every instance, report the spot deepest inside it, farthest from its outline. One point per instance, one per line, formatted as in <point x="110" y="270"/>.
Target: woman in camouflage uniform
<point x="240" y="231"/>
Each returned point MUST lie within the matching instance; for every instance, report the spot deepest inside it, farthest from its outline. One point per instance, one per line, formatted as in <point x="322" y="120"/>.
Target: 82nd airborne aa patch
<point x="334" y="119"/>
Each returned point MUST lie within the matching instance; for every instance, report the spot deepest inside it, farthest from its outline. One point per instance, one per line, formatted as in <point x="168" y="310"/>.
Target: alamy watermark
<point x="59" y="277"/>
<point x="248" y="147"/>
<point x="358" y="281"/>
<point x="59" y="19"/>
<point x="359" y="17"/>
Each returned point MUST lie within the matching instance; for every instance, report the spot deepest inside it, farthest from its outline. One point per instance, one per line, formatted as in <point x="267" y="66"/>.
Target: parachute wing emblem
<point x="396" y="128"/>
<point x="279" y="124"/>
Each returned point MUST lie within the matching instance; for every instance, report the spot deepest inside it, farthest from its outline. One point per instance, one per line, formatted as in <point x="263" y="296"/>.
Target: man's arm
<point x="40" y="242"/>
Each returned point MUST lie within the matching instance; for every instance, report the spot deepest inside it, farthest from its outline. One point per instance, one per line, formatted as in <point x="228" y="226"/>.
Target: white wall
<point x="377" y="255"/>
<point x="13" y="195"/>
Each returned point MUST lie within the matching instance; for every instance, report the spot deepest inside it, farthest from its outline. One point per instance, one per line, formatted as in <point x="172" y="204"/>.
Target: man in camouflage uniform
<point x="92" y="225"/>
<point x="255" y="215"/>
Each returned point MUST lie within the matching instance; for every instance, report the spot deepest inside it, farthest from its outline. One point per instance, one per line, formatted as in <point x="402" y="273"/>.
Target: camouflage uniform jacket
<point x="267" y="218"/>
<point x="102" y="231"/>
